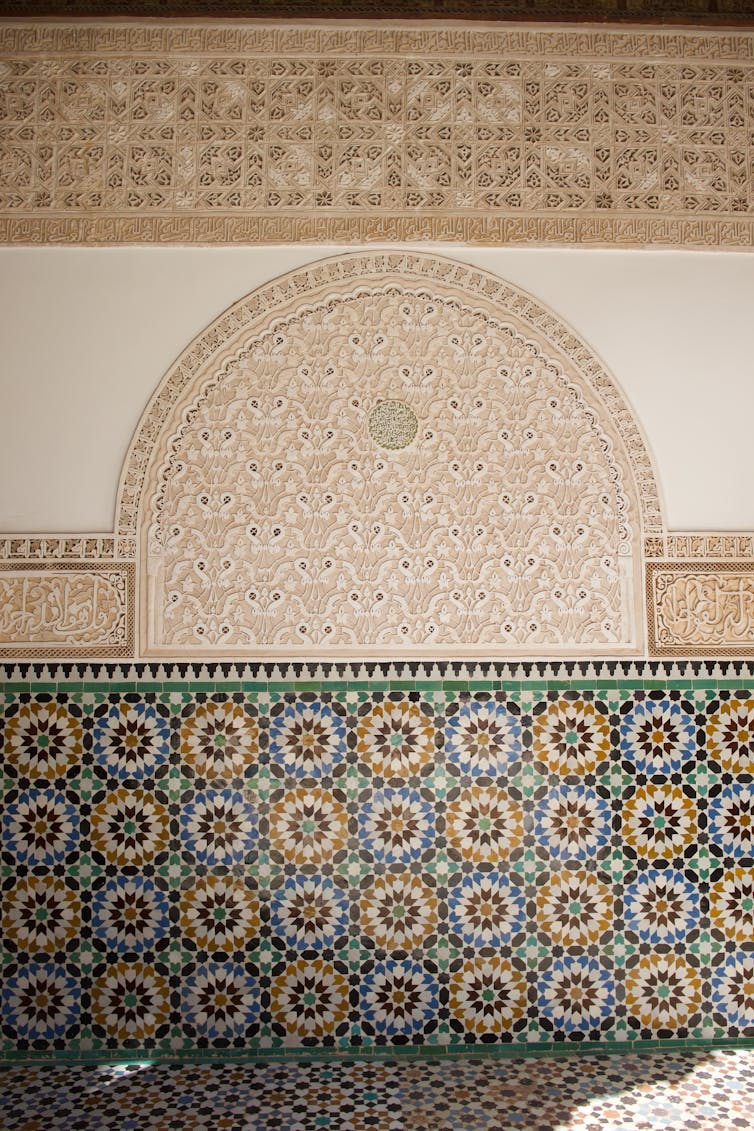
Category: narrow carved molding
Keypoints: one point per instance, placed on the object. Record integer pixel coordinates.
(64, 547)
(705, 545)
(233, 133)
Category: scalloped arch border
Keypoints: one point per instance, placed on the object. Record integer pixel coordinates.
(301, 285)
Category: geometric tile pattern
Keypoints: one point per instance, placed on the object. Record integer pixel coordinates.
(274, 134)
(657, 1091)
(356, 865)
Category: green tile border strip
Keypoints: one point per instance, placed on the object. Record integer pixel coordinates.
(508, 1051)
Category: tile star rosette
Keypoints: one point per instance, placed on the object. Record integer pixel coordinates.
(218, 827)
(396, 826)
(576, 995)
(219, 1002)
(487, 996)
(658, 735)
(309, 913)
(574, 908)
(130, 914)
(41, 915)
(308, 826)
(130, 827)
(398, 912)
(398, 999)
(487, 909)
(42, 740)
(41, 1002)
(310, 1000)
(219, 740)
(659, 822)
(219, 914)
(731, 820)
(40, 826)
(733, 991)
(396, 740)
(571, 736)
(131, 740)
(485, 824)
(572, 824)
(732, 904)
(663, 993)
(483, 738)
(131, 1002)
(661, 906)
(307, 739)
(730, 735)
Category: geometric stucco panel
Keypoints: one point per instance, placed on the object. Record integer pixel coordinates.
(385, 458)
(150, 133)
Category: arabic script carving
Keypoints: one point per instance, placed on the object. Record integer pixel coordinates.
(699, 611)
(78, 610)
(276, 523)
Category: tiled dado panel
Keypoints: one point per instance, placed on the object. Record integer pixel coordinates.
(230, 858)
(148, 133)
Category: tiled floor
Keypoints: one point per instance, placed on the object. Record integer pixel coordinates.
(660, 1091)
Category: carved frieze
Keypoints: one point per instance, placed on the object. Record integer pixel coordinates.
(66, 609)
(147, 133)
(698, 610)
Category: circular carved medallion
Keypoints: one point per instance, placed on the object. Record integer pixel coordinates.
(392, 425)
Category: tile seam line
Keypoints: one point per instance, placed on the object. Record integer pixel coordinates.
(501, 1051)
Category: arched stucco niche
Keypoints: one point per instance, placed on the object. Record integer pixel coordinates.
(389, 454)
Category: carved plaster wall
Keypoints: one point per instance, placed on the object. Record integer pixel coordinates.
(233, 133)
(393, 452)
(387, 454)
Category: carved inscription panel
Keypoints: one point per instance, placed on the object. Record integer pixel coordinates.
(697, 611)
(66, 610)
(392, 470)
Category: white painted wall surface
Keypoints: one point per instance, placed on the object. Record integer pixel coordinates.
(86, 335)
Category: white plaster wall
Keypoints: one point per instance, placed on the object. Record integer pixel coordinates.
(86, 335)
